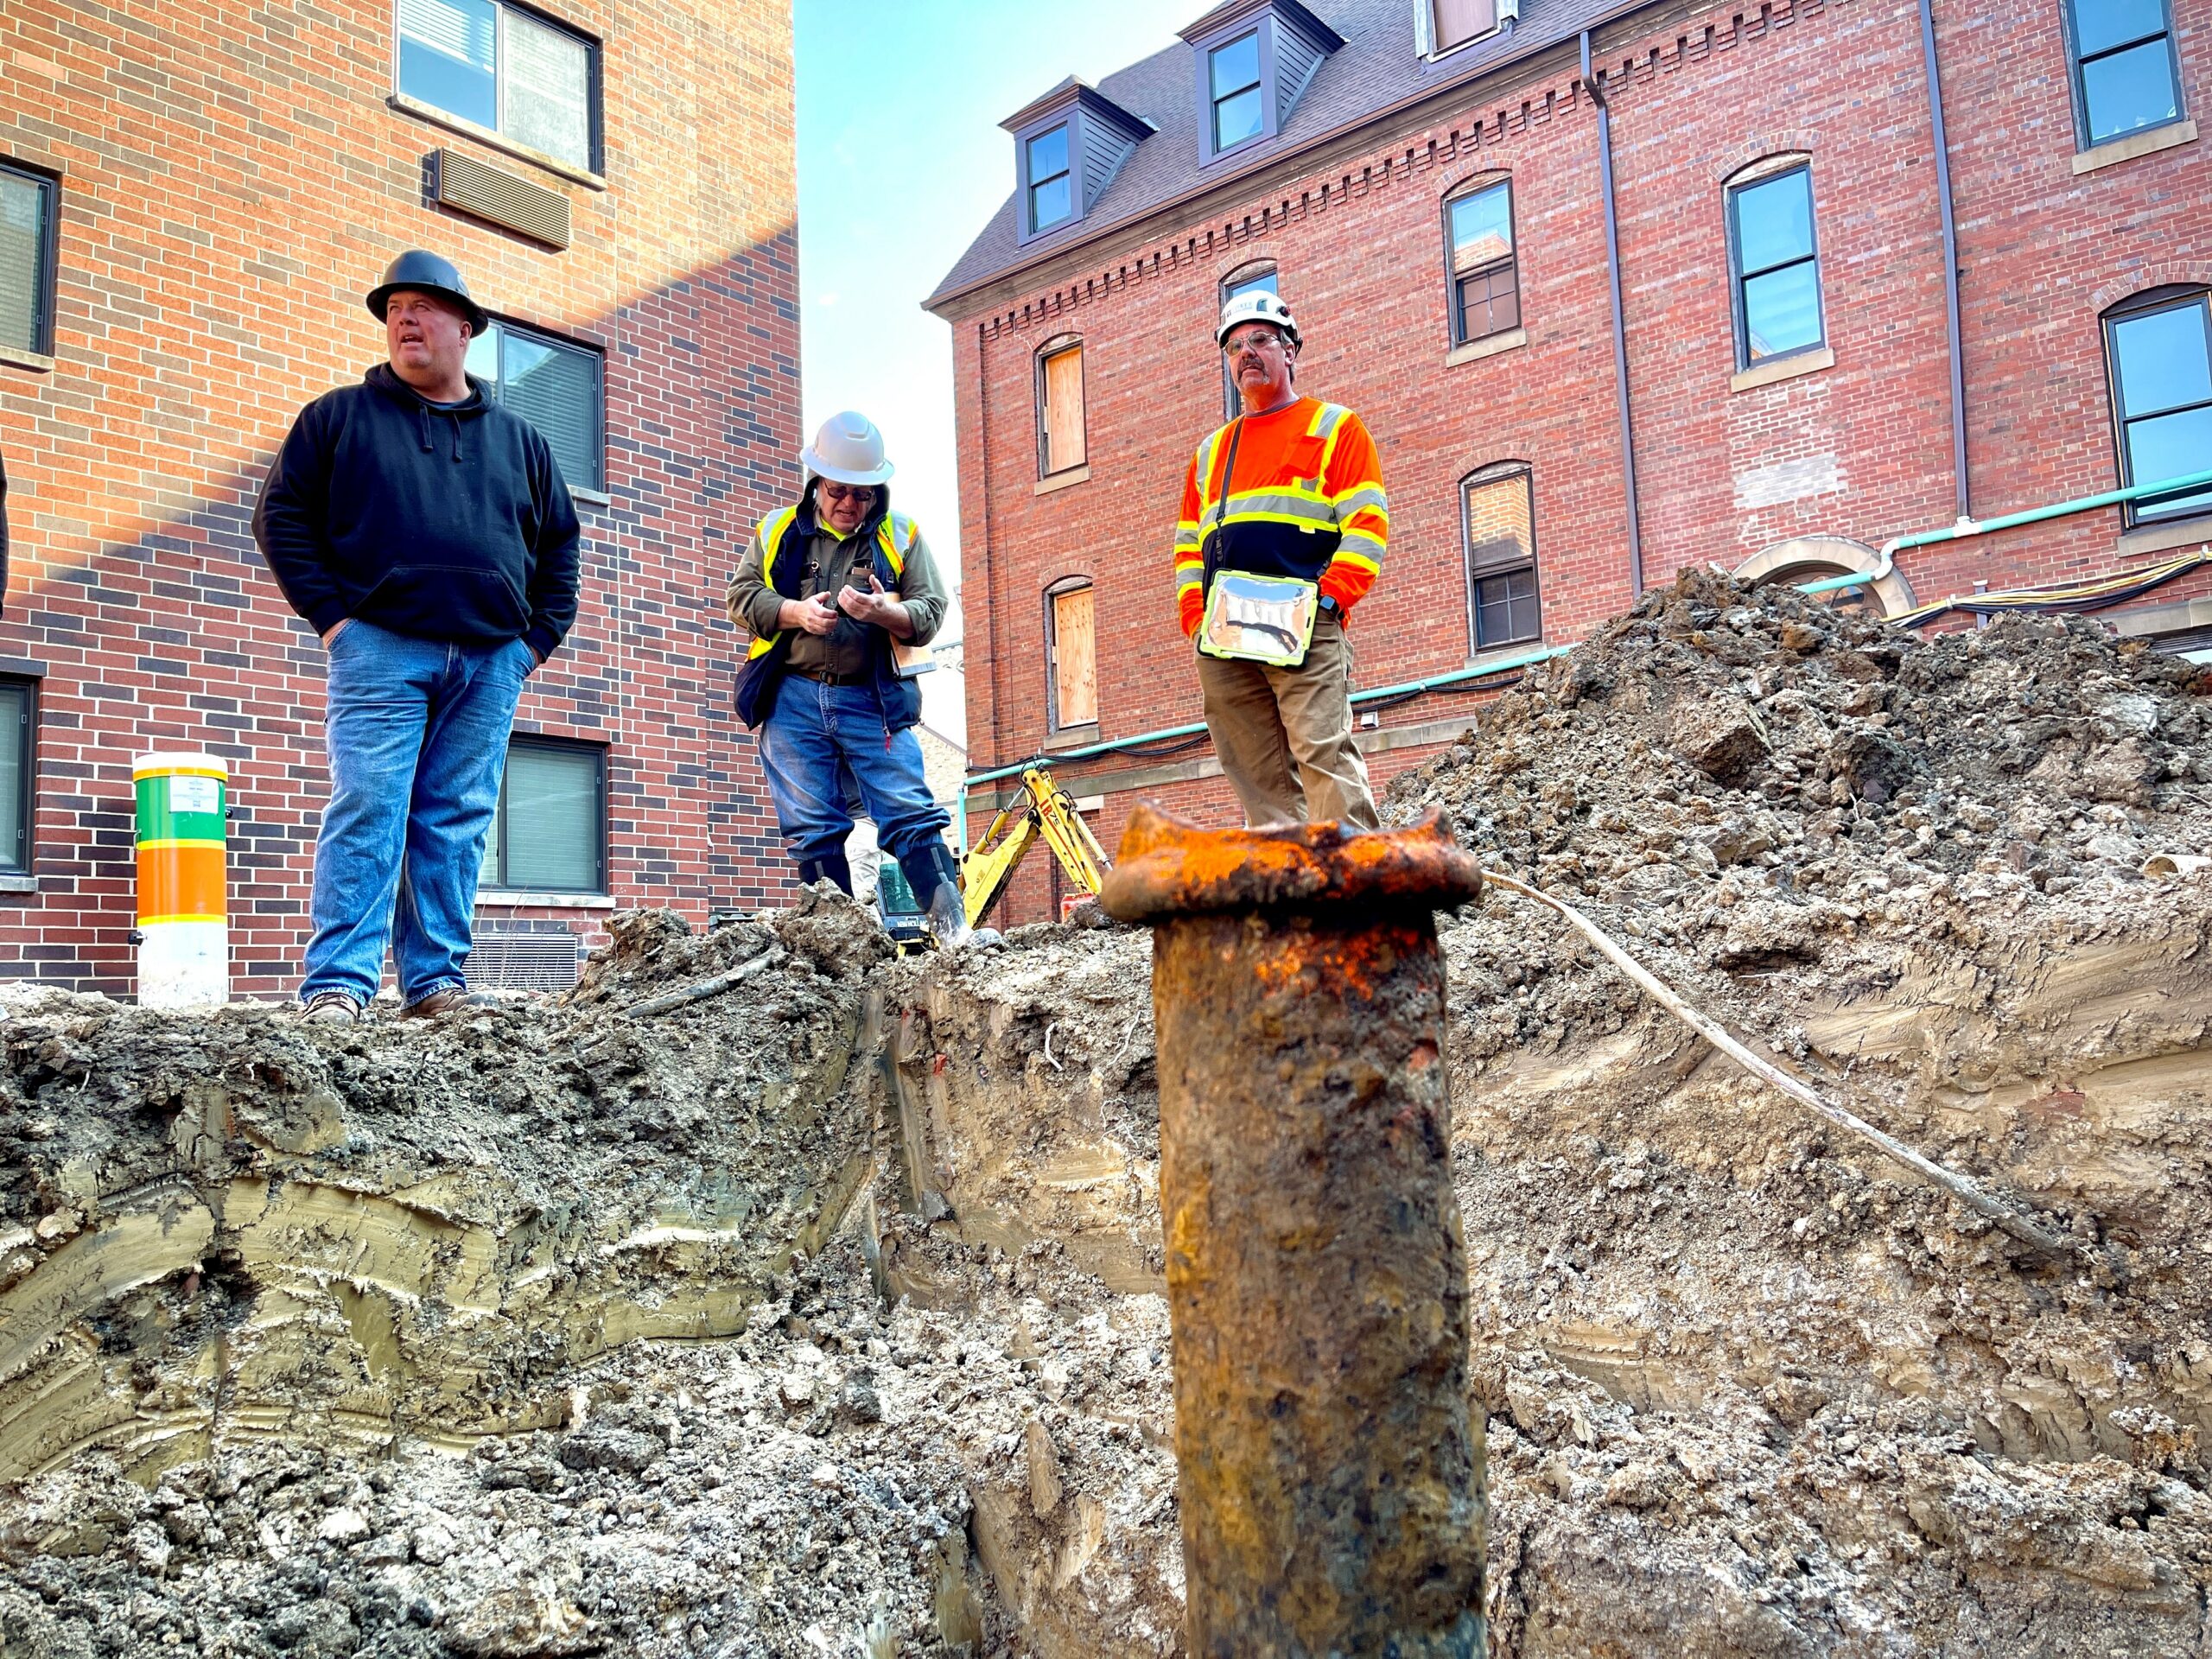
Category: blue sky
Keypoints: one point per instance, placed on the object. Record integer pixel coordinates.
(901, 161)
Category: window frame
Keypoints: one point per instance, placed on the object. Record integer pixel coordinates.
(1029, 182)
(1247, 275)
(1060, 345)
(1467, 190)
(1493, 472)
(1426, 32)
(46, 296)
(1263, 61)
(1054, 592)
(600, 853)
(597, 489)
(26, 795)
(2077, 87)
(594, 82)
(1261, 29)
(2150, 302)
(1765, 172)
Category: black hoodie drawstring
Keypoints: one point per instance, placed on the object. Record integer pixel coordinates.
(422, 410)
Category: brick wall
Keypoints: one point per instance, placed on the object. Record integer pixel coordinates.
(1861, 449)
(233, 181)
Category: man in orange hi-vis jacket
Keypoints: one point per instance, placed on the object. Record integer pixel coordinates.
(1283, 527)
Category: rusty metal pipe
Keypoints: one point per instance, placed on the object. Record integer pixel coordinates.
(1330, 1476)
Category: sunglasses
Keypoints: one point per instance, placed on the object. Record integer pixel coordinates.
(836, 493)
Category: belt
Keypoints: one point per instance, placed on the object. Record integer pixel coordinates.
(830, 676)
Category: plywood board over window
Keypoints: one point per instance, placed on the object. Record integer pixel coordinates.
(1063, 445)
(1075, 660)
(1460, 21)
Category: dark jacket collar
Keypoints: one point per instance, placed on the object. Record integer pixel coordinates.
(810, 525)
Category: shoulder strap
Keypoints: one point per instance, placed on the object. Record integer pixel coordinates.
(1228, 471)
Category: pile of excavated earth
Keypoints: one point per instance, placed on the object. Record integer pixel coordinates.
(821, 1313)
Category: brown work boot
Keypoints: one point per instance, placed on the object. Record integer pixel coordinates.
(331, 1009)
(445, 999)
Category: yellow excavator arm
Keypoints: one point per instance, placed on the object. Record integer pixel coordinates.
(1042, 809)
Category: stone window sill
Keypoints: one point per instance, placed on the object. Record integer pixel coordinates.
(1488, 345)
(506, 899)
(2158, 538)
(1504, 653)
(1073, 737)
(438, 118)
(2136, 144)
(597, 498)
(18, 884)
(36, 362)
(1061, 480)
(1785, 368)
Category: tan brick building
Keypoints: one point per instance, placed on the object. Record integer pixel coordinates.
(1444, 190)
(194, 198)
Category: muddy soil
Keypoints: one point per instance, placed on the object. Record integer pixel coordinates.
(824, 1316)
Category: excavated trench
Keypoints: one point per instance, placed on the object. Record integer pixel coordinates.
(824, 1316)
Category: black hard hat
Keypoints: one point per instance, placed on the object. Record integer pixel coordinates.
(427, 273)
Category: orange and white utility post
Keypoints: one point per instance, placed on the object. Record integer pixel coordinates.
(184, 930)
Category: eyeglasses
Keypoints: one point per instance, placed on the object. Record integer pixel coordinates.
(1252, 343)
(834, 493)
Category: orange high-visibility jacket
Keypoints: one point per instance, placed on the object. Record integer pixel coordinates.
(1307, 502)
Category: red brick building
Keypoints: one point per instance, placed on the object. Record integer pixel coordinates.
(194, 198)
(1618, 289)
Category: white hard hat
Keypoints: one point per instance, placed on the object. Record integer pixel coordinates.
(1256, 306)
(848, 448)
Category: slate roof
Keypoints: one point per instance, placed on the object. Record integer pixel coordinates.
(1376, 68)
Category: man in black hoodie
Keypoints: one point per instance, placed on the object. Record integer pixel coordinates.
(424, 533)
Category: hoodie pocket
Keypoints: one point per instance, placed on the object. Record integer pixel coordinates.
(463, 604)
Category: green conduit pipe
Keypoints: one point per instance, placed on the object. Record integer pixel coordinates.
(1967, 527)
(1959, 531)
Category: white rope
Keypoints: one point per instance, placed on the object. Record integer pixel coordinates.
(2027, 1229)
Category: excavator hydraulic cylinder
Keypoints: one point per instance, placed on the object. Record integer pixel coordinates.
(1330, 1477)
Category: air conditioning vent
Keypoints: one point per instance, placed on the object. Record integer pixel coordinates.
(488, 193)
(501, 960)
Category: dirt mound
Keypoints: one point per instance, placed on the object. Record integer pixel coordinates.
(379, 1325)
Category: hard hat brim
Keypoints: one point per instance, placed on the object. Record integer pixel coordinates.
(818, 467)
(380, 296)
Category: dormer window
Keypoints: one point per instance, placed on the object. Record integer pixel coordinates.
(1069, 145)
(1239, 113)
(1444, 26)
(1255, 57)
(1051, 197)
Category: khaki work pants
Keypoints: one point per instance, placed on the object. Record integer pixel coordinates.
(1284, 735)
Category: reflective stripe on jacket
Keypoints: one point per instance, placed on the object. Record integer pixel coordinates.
(1307, 502)
(764, 662)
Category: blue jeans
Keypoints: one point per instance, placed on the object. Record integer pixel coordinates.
(417, 734)
(819, 739)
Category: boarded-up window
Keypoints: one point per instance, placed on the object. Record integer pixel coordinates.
(1062, 426)
(1460, 21)
(1074, 648)
(1501, 515)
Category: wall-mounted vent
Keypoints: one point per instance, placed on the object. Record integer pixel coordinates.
(468, 186)
(502, 960)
